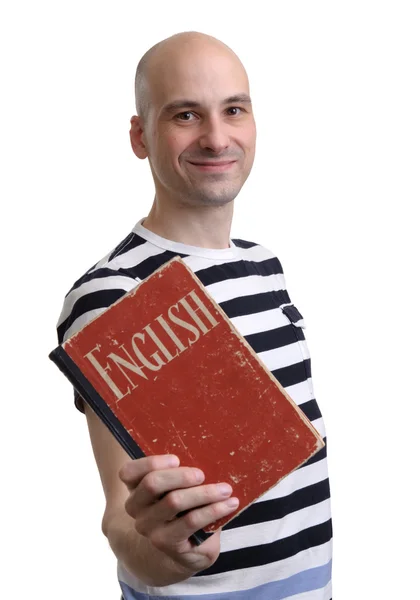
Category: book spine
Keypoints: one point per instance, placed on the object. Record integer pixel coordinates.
(69, 368)
(95, 401)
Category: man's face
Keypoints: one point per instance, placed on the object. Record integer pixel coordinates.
(200, 132)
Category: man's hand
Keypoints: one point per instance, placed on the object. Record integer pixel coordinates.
(159, 490)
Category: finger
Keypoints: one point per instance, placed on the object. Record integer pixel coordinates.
(177, 502)
(174, 536)
(157, 483)
(134, 471)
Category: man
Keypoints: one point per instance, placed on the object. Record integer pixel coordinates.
(196, 127)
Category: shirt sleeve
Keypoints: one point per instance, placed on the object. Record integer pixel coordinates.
(89, 297)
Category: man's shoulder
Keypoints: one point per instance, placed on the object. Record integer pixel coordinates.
(248, 245)
(256, 252)
(245, 244)
(99, 287)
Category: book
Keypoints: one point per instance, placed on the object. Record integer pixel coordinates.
(168, 373)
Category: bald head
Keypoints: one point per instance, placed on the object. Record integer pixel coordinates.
(194, 105)
(169, 54)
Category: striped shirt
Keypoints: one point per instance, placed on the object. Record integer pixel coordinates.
(281, 546)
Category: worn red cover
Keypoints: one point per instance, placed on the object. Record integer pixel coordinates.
(177, 377)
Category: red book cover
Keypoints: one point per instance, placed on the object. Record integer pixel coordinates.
(168, 372)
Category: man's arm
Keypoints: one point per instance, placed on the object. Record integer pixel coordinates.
(143, 498)
(135, 551)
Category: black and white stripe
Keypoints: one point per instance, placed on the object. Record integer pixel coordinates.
(285, 537)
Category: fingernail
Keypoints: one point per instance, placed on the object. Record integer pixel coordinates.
(173, 461)
(232, 502)
(224, 488)
(199, 475)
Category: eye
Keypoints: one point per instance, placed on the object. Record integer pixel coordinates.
(235, 108)
(181, 116)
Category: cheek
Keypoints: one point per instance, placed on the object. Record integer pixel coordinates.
(178, 144)
(173, 144)
(252, 135)
(247, 138)
(251, 148)
(171, 147)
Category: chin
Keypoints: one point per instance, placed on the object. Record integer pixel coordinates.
(212, 199)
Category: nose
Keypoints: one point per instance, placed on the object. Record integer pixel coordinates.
(214, 136)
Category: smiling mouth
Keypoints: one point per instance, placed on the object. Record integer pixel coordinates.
(214, 165)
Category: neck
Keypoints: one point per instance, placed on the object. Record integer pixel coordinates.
(204, 226)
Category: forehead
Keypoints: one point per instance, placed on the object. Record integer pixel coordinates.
(205, 74)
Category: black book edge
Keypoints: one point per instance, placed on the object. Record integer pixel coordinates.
(83, 386)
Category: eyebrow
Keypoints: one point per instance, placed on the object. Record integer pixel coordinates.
(185, 103)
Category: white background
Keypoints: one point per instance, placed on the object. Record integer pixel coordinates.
(334, 192)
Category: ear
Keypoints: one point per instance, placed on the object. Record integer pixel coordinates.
(137, 137)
